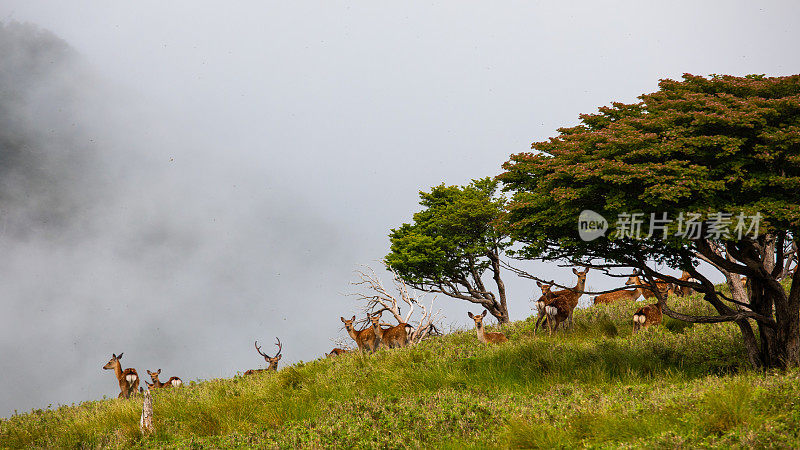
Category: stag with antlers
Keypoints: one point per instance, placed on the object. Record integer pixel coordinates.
(271, 360)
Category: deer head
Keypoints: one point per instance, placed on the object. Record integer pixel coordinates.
(581, 275)
(348, 323)
(545, 287)
(478, 318)
(271, 360)
(154, 376)
(113, 362)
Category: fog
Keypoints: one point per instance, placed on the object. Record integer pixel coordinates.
(178, 180)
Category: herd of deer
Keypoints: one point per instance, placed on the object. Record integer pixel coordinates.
(553, 307)
(129, 379)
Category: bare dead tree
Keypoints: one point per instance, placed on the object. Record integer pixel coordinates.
(146, 420)
(376, 298)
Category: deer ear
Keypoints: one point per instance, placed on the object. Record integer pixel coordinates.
(470, 315)
(119, 356)
(539, 284)
(279, 357)
(113, 356)
(342, 319)
(484, 313)
(574, 271)
(354, 317)
(158, 371)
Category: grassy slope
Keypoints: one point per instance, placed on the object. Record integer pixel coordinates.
(594, 386)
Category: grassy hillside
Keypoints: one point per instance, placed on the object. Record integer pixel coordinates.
(672, 386)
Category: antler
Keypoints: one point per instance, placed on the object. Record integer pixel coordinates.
(258, 349)
(280, 346)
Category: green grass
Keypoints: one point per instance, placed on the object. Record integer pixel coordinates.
(597, 386)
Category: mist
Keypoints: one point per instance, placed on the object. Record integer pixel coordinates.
(177, 181)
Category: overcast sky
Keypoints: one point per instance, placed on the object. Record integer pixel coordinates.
(238, 160)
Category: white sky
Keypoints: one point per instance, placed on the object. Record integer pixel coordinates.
(300, 134)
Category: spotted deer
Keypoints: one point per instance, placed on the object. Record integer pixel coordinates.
(646, 316)
(484, 336)
(271, 360)
(172, 382)
(336, 352)
(128, 379)
(397, 336)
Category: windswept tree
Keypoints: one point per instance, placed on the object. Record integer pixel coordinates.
(704, 169)
(452, 242)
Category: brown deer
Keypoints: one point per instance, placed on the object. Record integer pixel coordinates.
(571, 296)
(684, 291)
(366, 339)
(272, 360)
(546, 298)
(557, 311)
(172, 382)
(128, 379)
(484, 336)
(647, 292)
(336, 352)
(397, 336)
(646, 316)
(611, 297)
(627, 294)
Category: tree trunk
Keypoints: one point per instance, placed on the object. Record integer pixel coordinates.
(146, 421)
(503, 318)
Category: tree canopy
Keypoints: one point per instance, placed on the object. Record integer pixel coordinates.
(452, 242)
(722, 150)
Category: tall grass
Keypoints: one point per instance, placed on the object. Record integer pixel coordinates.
(594, 385)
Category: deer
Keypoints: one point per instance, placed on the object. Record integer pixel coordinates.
(484, 336)
(128, 379)
(646, 316)
(571, 296)
(647, 292)
(611, 297)
(546, 298)
(397, 336)
(558, 311)
(336, 352)
(366, 339)
(172, 382)
(272, 360)
(683, 291)
(627, 294)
